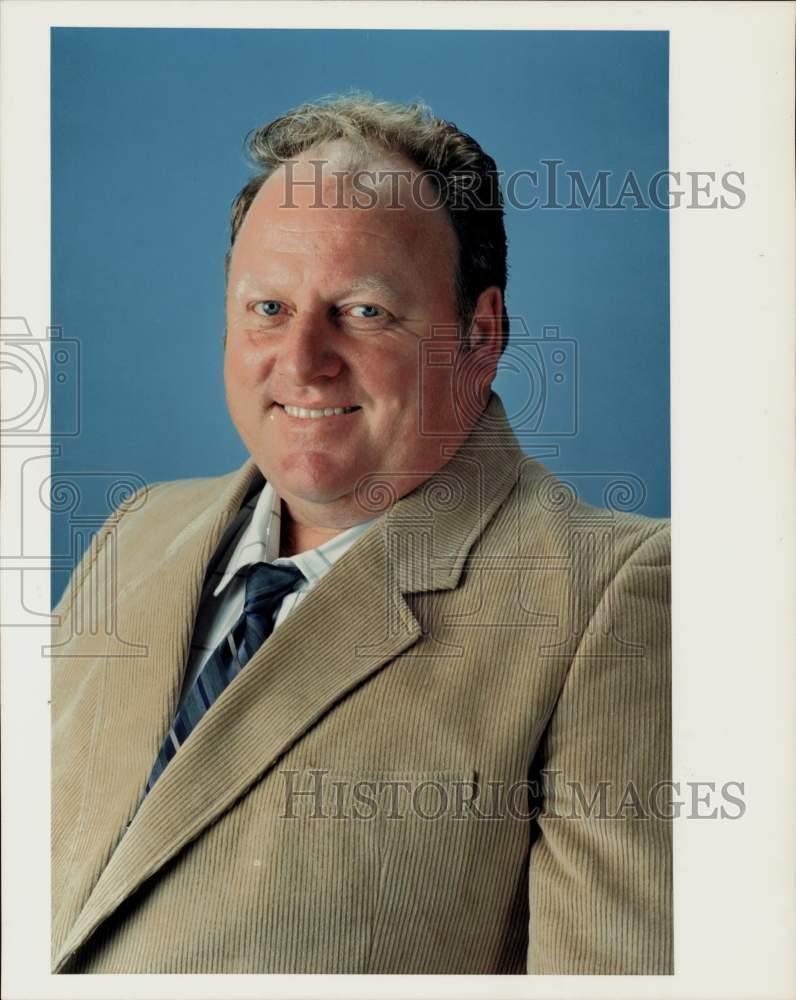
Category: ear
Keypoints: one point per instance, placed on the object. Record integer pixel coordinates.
(486, 330)
(485, 340)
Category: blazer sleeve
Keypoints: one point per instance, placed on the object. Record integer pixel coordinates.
(600, 879)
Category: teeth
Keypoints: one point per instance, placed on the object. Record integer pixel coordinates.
(328, 411)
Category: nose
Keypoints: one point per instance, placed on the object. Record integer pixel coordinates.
(307, 352)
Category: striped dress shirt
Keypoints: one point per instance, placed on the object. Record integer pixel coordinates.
(253, 537)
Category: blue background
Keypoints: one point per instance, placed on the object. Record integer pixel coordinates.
(147, 155)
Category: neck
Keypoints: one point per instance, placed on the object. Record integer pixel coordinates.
(298, 536)
(306, 525)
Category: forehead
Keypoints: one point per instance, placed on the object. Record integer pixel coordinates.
(332, 197)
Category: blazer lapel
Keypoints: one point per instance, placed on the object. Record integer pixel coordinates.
(153, 616)
(325, 648)
(354, 622)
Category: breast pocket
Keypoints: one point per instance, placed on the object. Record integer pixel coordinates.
(389, 858)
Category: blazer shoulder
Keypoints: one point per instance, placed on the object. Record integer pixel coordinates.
(550, 510)
(181, 500)
(149, 519)
(545, 520)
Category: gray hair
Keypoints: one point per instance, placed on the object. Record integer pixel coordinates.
(465, 177)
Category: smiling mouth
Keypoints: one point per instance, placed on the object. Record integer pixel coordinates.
(305, 413)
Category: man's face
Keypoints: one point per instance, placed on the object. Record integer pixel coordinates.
(326, 310)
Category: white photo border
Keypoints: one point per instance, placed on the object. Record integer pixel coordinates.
(733, 475)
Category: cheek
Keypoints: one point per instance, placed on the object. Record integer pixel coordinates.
(233, 369)
(436, 385)
(240, 387)
(242, 365)
(232, 381)
(390, 378)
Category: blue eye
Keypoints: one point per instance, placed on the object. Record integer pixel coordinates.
(268, 308)
(365, 316)
(366, 311)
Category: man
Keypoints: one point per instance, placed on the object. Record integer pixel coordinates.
(388, 699)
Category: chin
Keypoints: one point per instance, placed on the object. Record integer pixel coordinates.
(312, 478)
(314, 492)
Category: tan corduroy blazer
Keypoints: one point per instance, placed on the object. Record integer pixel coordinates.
(366, 796)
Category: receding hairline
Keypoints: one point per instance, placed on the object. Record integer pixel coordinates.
(348, 159)
(449, 157)
(378, 159)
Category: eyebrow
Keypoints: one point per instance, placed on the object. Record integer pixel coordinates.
(374, 285)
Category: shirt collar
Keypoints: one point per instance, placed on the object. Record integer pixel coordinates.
(259, 542)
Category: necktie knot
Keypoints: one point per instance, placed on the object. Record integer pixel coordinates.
(267, 584)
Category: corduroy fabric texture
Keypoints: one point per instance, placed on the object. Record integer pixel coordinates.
(449, 759)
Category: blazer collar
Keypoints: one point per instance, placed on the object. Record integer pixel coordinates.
(430, 532)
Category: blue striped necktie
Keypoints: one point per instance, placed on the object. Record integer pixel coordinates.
(266, 586)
